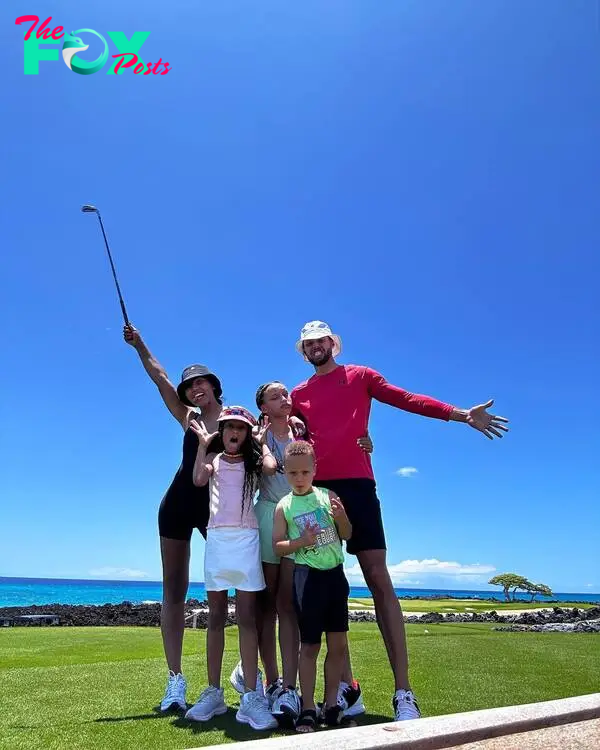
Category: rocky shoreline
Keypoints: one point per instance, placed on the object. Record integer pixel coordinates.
(555, 619)
(543, 620)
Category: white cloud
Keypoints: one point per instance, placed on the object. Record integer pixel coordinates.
(406, 472)
(405, 572)
(590, 585)
(118, 573)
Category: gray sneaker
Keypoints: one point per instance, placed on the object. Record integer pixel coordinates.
(174, 693)
(210, 703)
(237, 680)
(405, 706)
(254, 710)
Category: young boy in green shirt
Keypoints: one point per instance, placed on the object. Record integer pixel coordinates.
(310, 522)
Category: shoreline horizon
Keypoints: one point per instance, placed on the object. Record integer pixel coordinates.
(149, 582)
(96, 592)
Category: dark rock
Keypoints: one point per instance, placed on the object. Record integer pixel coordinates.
(587, 626)
(362, 617)
(593, 613)
(432, 617)
(528, 618)
(584, 626)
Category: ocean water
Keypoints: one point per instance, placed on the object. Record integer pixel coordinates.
(22, 592)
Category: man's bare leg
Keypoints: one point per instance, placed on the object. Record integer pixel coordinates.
(388, 611)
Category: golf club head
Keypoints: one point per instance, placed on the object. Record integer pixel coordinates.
(88, 209)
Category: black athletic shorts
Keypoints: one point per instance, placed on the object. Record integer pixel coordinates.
(359, 498)
(183, 509)
(321, 601)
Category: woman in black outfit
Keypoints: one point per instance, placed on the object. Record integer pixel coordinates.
(184, 506)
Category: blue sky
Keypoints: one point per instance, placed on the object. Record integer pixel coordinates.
(423, 176)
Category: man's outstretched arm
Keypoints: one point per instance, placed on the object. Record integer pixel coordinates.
(476, 417)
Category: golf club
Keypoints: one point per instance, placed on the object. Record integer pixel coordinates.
(87, 209)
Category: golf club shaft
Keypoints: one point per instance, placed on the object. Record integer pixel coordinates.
(114, 273)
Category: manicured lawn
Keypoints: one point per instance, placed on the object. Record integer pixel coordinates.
(456, 606)
(96, 688)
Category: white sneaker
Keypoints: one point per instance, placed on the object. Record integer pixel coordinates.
(210, 703)
(175, 692)
(350, 699)
(237, 680)
(286, 707)
(254, 710)
(405, 706)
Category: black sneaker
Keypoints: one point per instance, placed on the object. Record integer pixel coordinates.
(286, 707)
(273, 691)
(350, 699)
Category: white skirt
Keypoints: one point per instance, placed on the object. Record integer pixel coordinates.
(232, 560)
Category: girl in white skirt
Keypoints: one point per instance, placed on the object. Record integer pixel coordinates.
(232, 558)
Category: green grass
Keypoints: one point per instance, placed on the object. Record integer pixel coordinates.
(96, 688)
(462, 606)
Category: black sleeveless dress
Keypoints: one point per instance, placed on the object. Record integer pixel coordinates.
(185, 506)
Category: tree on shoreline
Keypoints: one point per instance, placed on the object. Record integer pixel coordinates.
(510, 581)
(514, 581)
(538, 588)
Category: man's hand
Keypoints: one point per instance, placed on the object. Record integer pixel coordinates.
(478, 418)
(298, 427)
(131, 335)
(309, 535)
(204, 436)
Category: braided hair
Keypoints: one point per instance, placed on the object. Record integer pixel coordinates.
(253, 461)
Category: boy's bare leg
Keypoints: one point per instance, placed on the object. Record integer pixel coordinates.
(308, 674)
(337, 650)
(347, 676)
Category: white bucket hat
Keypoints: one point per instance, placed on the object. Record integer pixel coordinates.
(316, 329)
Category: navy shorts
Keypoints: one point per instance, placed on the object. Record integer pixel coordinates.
(321, 602)
(362, 506)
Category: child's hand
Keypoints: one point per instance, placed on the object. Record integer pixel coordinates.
(366, 443)
(337, 509)
(261, 432)
(204, 436)
(309, 535)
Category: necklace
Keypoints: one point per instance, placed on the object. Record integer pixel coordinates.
(233, 455)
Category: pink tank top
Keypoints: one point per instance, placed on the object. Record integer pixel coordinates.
(226, 487)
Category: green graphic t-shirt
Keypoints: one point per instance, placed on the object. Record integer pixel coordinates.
(313, 509)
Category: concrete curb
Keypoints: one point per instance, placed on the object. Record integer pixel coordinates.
(452, 730)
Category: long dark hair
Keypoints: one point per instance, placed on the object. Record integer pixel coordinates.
(253, 460)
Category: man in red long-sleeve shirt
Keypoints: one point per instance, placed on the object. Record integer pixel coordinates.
(335, 404)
